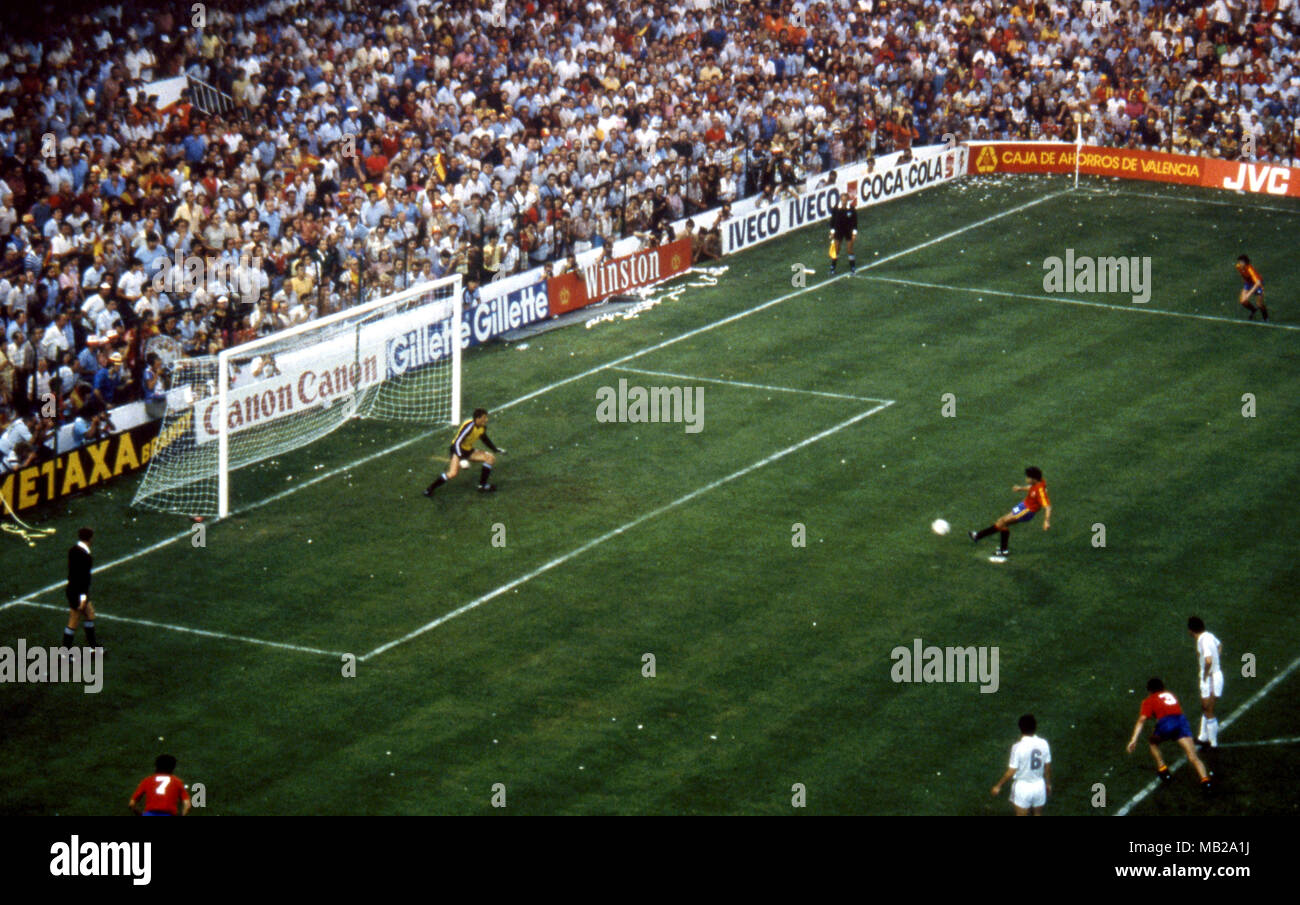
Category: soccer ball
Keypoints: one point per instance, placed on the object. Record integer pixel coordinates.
(464, 463)
(939, 526)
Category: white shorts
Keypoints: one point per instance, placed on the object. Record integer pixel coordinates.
(1029, 793)
(1213, 685)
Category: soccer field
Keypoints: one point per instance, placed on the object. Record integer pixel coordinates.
(501, 639)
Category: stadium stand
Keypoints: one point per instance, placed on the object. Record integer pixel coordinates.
(324, 154)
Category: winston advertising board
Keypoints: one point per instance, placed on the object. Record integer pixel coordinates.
(614, 276)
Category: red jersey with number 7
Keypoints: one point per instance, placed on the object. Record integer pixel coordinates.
(162, 792)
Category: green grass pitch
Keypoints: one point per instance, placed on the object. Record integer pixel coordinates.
(772, 660)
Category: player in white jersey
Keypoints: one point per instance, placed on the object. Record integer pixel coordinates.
(1031, 770)
(1208, 651)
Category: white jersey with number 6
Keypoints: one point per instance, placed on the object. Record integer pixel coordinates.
(1029, 758)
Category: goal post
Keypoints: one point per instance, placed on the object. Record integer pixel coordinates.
(396, 358)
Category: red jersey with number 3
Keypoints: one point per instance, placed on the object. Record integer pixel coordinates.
(1160, 705)
(162, 792)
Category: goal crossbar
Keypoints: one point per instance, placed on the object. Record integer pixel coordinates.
(395, 358)
(320, 326)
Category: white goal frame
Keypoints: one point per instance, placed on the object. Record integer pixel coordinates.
(357, 313)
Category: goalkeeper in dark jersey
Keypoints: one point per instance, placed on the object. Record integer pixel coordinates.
(844, 229)
(463, 453)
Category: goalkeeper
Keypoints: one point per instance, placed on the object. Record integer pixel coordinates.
(844, 229)
(463, 453)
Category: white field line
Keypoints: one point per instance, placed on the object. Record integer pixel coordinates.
(749, 386)
(768, 304)
(1236, 715)
(343, 469)
(143, 551)
(16, 603)
(191, 631)
(1060, 300)
(1268, 741)
(1245, 201)
(957, 232)
(622, 529)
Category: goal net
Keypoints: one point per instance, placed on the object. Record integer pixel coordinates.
(396, 358)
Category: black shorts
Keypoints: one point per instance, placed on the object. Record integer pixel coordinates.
(843, 237)
(74, 598)
(459, 455)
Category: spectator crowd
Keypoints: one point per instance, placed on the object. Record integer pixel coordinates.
(327, 153)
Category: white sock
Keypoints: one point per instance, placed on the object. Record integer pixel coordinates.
(1200, 735)
(1212, 725)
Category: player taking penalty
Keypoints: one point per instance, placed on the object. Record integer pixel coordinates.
(1171, 726)
(1252, 285)
(1035, 499)
(463, 453)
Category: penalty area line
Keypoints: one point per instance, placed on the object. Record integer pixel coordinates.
(957, 232)
(143, 551)
(1236, 715)
(420, 438)
(1243, 202)
(190, 631)
(1295, 739)
(1135, 308)
(749, 386)
(763, 306)
(621, 529)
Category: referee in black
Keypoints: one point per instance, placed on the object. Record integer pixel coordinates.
(78, 590)
(844, 229)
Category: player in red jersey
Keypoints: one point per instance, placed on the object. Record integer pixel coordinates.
(163, 792)
(1035, 499)
(1171, 726)
(1252, 284)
